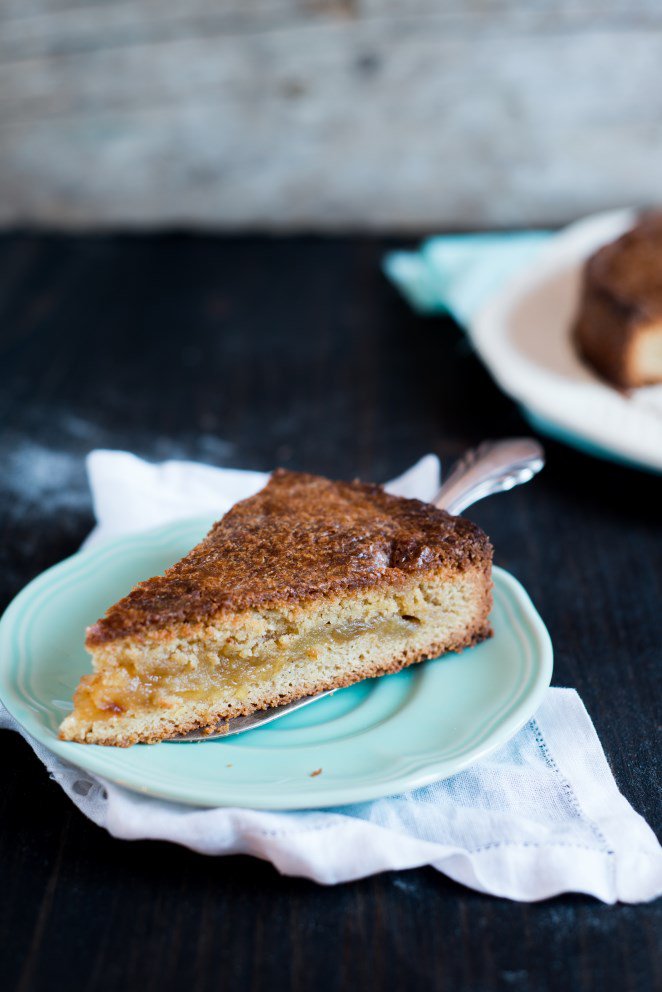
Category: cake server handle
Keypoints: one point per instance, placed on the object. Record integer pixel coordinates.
(492, 467)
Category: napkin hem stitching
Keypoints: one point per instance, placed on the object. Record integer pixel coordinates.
(567, 788)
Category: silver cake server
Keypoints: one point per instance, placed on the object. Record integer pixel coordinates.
(492, 467)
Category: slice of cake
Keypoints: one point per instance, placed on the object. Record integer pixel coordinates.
(619, 325)
(309, 585)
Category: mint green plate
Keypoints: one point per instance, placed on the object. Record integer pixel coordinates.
(373, 739)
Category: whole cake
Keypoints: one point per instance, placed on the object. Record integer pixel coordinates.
(308, 585)
(618, 330)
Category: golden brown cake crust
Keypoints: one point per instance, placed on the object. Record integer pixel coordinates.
(621, 295)
(299, 538)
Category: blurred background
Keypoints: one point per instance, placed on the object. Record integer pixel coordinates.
(196, 201)
(326, 115)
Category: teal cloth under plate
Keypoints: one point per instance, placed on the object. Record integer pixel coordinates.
(457, 273)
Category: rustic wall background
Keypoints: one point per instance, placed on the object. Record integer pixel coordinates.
(282, 114)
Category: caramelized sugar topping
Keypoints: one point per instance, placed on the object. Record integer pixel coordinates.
(299, 538)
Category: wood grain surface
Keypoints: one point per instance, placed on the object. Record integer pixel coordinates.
(327, 114)
(258, 352)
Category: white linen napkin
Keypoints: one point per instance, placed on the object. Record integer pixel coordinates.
(539, 817)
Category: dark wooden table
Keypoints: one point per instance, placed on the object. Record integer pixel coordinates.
(256, 353)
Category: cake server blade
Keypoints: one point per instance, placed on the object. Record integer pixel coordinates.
(239, 724)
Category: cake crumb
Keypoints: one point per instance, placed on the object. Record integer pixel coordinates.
(318, 771)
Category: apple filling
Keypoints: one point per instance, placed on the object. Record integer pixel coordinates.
(230, 670)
